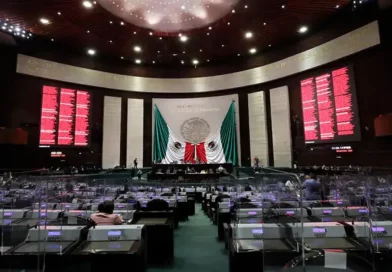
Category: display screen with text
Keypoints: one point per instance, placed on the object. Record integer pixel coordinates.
(65, 115)
(329, 107)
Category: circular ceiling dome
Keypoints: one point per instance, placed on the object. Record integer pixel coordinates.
(169, 15)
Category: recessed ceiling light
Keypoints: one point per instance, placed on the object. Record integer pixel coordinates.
(137, 48)
(210, 28)
(208, 60)
(91, 52)
(248, 35)
(52, 40)
(208, 34)
(138, 61)
(183, 52)
(223, 45)
(88, 31)
(159, 52)
(252, 50)
(201, 50)
(153, 62)
(228, 23)
(111, 41)
(238, 54)
(160, 38)
(269, 45)
(122, 57)
(183, 38)
(59, 13)
(195, 62)
(134, 33)
(337, 6)
(150, 33)
(122, 23)
(87, 4)
(246, 6)
(111, 22)
(264, 23)
(233, 11)
(283, 6)
(182, 7)
(44, 21)
(182, 62)
(303, 29)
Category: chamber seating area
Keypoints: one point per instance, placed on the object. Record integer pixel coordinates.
(260, 223)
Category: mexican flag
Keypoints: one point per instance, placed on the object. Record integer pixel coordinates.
(221, 147)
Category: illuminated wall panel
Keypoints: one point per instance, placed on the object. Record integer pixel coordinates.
(258, 127)
(281, 126)
(135, 132)
(111, 132)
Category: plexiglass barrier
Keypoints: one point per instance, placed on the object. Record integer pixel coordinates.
(271, 221)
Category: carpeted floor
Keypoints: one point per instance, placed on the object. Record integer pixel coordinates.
(196, 248)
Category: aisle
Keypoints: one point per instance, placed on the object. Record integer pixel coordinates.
(196, 248)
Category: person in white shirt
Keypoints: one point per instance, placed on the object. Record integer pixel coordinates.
(220, 169)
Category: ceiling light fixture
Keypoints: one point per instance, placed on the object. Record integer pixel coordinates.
(210, 28)
(91, 52)
(253, 50)
(122, 23)
(183, 38)
(182, 62)
(264, 23)
(150, 33)
(88, 31)
(337, 6)
(233, 11)
(87, 4)
(44, 21)
(153, 62)
(248, 35)
(238, 55)
(138, 61)
(122, 57)
(246, 6)
(283, 6)
(137, 48)
(303, 29)
(59, 13)
(228, 23)
(195, 62)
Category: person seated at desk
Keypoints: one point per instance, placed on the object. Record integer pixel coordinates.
(220, 169)
(139, 174)
(312, 188)
(203, 172)
(105, 215)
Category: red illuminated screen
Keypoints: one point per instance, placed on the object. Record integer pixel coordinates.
(65, 117)
(329, 107)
